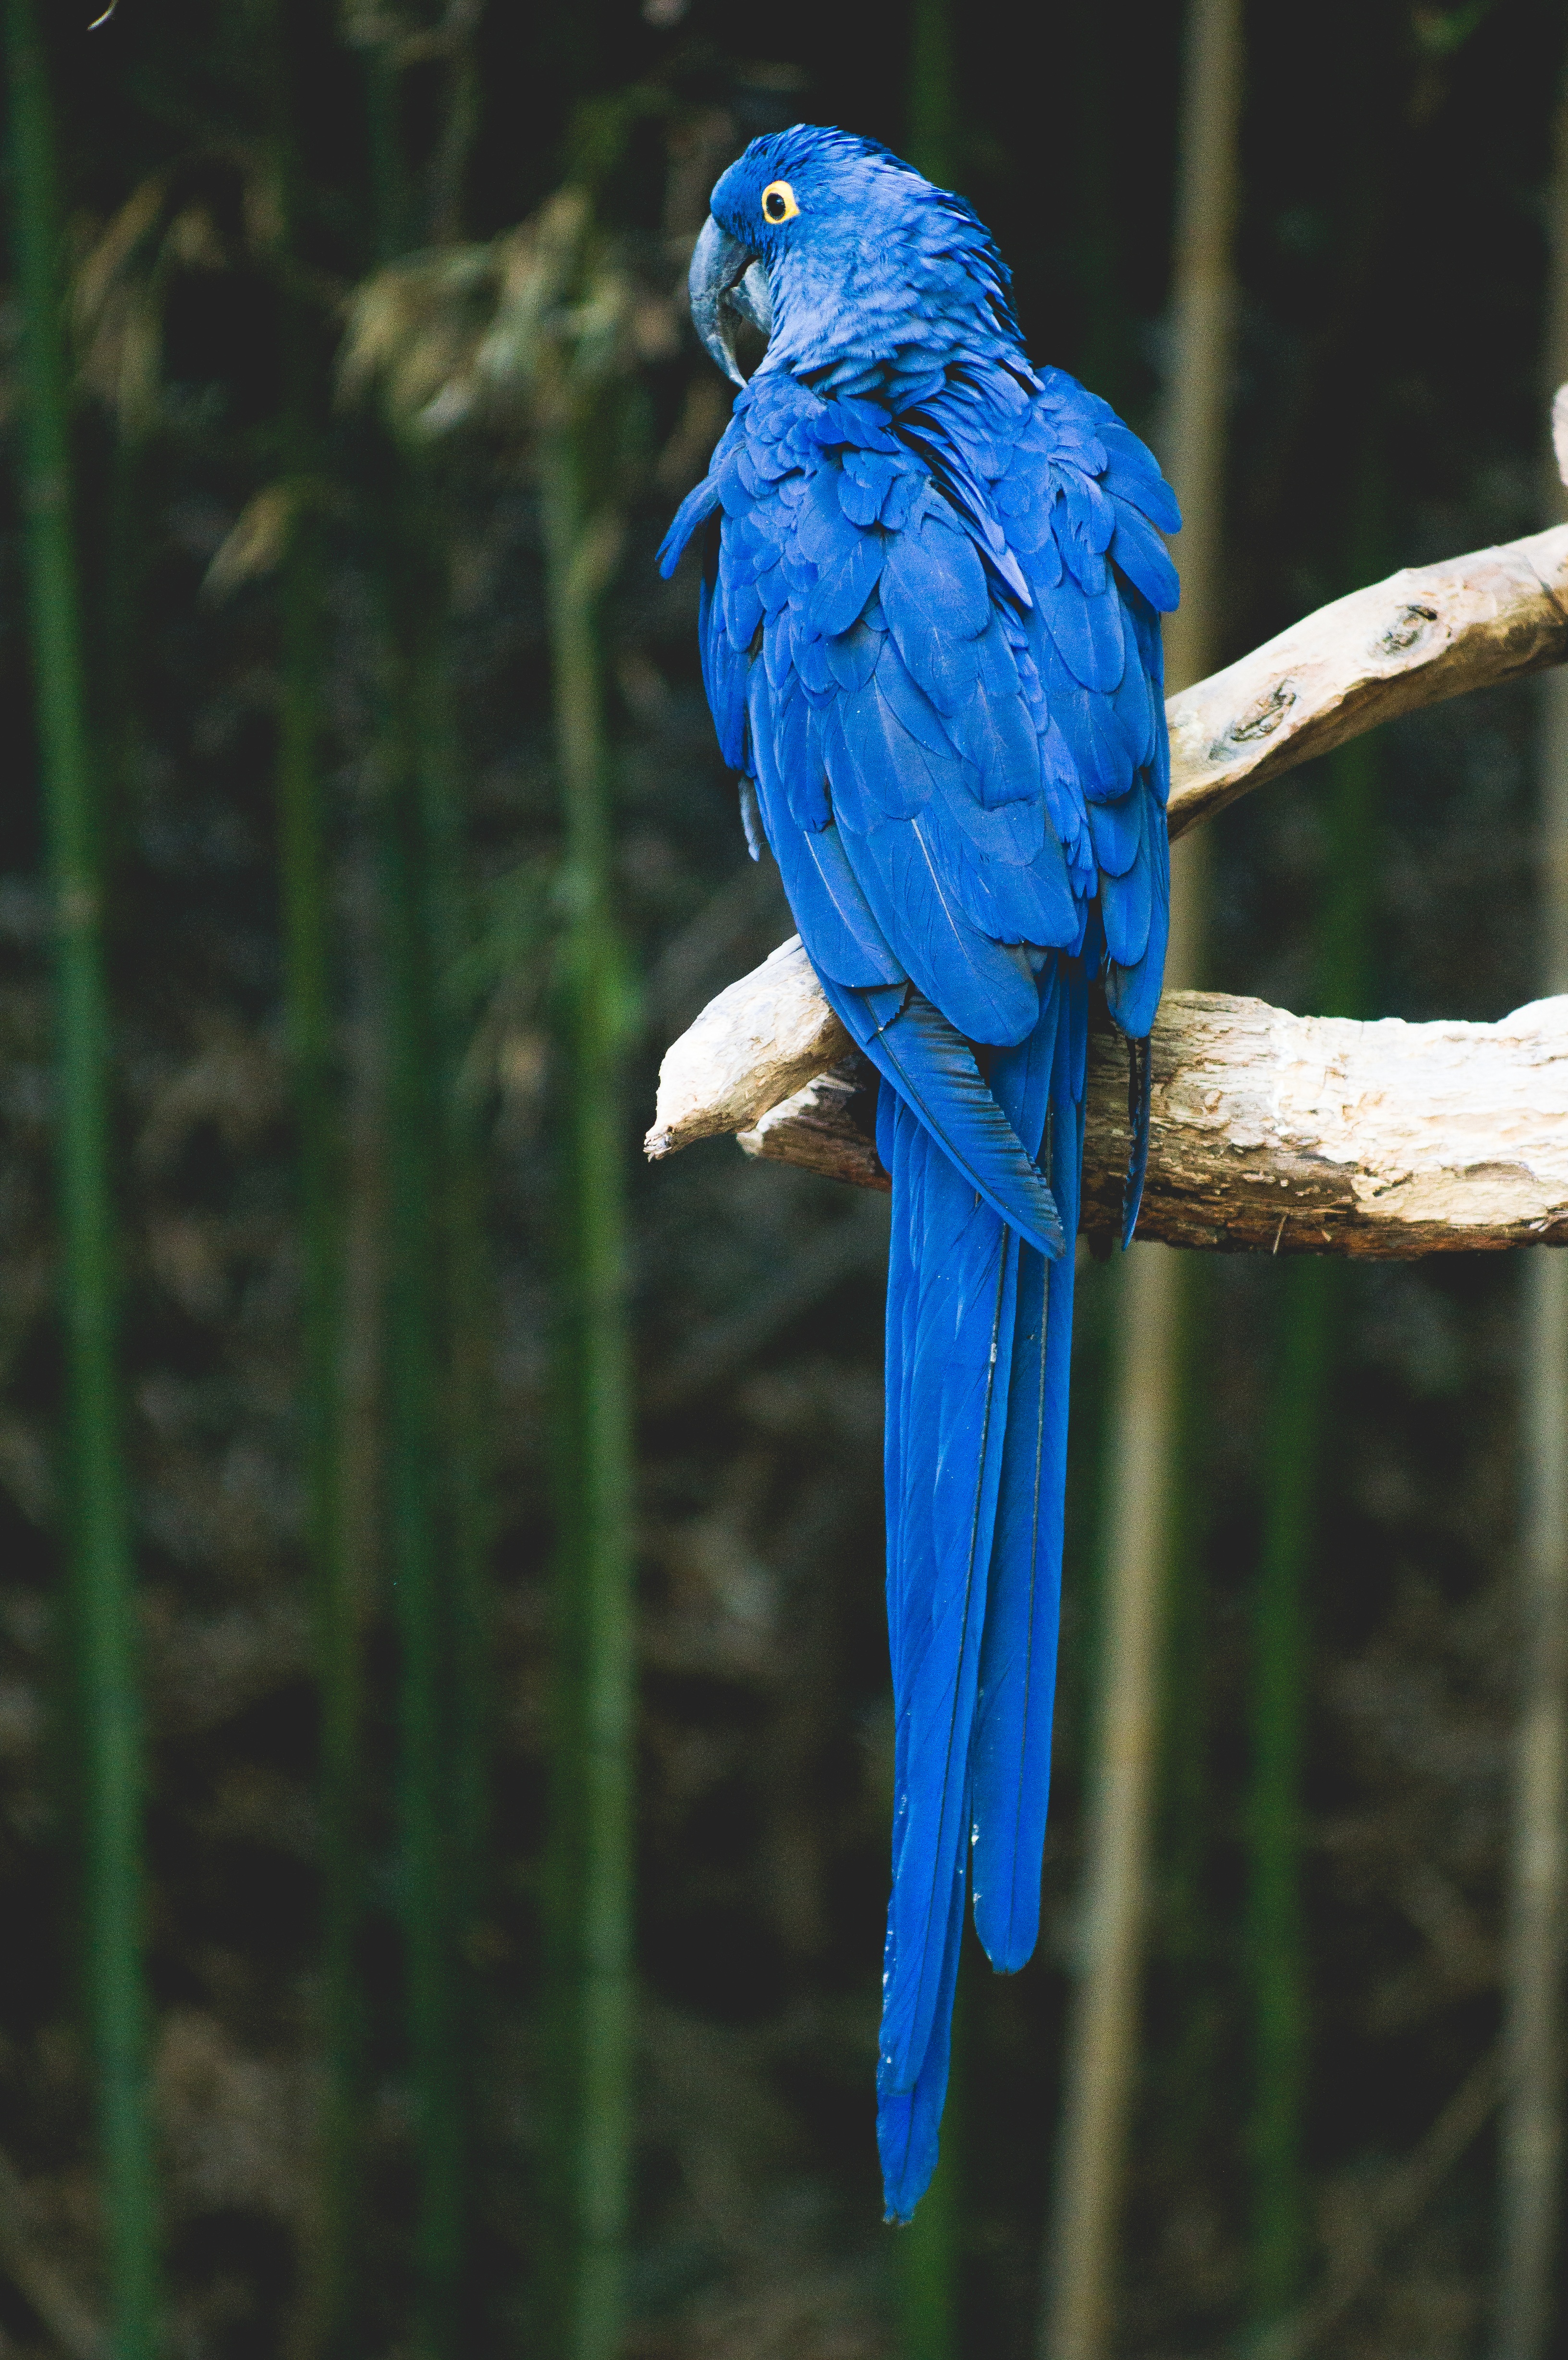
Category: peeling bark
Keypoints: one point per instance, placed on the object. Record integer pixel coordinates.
(1314, 1134)
(1292, 1134)
(764, 1038)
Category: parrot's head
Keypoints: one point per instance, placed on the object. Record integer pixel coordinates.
(839, 252)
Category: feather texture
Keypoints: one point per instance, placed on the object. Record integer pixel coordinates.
(932, 575)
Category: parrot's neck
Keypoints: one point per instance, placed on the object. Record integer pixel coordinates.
(896, 309)
(924, 373)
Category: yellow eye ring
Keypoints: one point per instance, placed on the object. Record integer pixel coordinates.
(778, 203)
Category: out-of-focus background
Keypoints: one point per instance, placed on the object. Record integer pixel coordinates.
(443, 1704)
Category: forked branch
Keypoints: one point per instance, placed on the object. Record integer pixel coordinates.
(1423, 634)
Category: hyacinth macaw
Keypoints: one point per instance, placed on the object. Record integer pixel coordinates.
(929, 621)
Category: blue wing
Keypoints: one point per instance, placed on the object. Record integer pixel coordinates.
(930, 641)
(940, 648)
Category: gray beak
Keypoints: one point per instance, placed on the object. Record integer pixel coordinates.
(726, 283)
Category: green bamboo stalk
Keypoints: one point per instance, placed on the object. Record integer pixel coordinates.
(307, 920)
(1530, 2134)
(305, 888)
(930, 97)
(1311, 1312)
(417, 1432)
(1186, 2096)
(930, 2290)
(1311, 1300)
(462, 1327)
(102, 1581)
(1144, 1493)
(435, 1331)
(930, 2250)
(1104, 354)
(416, 1400)
(590, 1868)
(1280, 1660)
(1310, 1315)
(420, 1435)
(467, 1346)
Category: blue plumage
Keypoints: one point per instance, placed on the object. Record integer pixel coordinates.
(930, 638)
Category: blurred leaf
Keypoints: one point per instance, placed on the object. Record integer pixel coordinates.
(115, 309)
(486, 333)
(121, 284)
(261, 534)
(256, 542)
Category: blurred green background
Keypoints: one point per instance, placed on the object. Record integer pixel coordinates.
(444, 1728)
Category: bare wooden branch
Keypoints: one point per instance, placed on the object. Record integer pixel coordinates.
(828, 1127)
(765, 1037)
(1423, 634)
(1295, 1134)
(1314, 1135)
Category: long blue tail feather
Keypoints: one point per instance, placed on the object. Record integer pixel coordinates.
(979, 1334)
(1017, 1664)
(953, 1277)
(909, 2120)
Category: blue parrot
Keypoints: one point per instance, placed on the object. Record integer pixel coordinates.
(932, 581)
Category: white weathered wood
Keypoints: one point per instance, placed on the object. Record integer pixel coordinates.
(1314, 1134)
(1423, 634)
(751, 1047)
(1290, 1133)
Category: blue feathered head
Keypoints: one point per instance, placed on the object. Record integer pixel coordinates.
(841, 253)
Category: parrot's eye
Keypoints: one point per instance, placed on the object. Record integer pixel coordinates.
(779, 202)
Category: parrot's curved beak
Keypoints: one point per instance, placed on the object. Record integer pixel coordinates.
(726, 283)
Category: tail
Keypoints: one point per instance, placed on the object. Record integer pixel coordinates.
(979, 1334)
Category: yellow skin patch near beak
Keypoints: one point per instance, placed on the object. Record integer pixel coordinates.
(778, 203)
